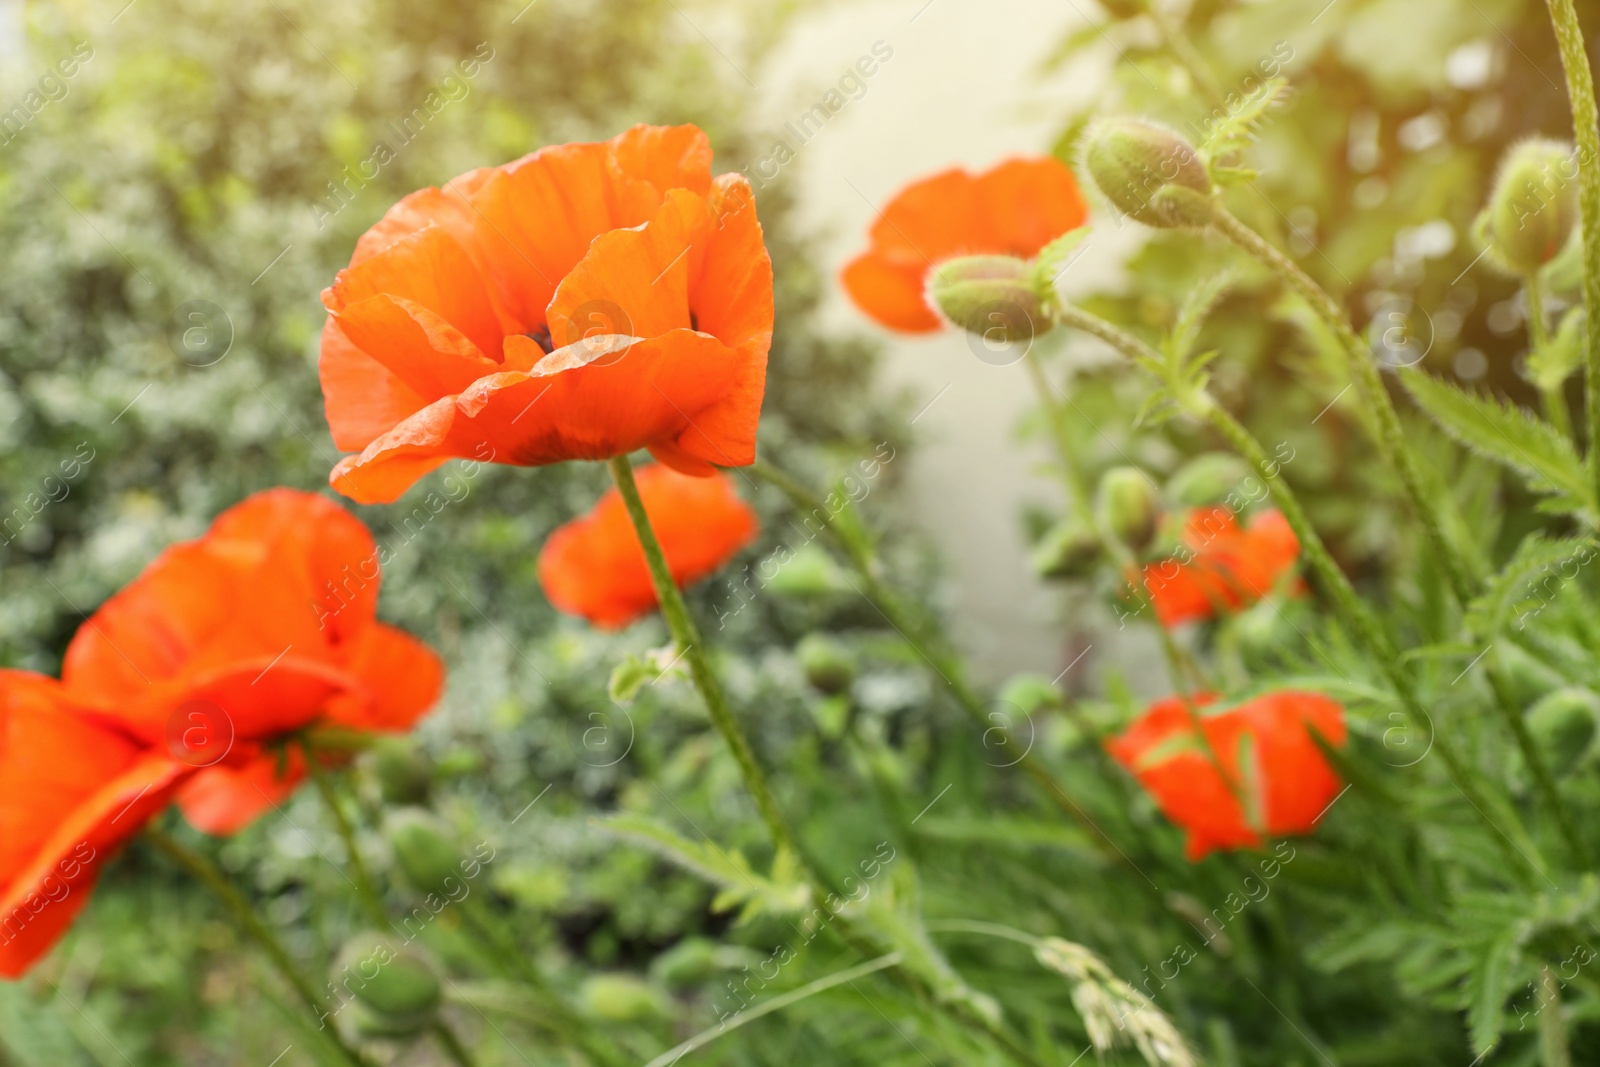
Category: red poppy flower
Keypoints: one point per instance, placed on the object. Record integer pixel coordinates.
(582, 302)
(1227, 568)
(594, 566)
(1014, 209)
(261, 627)
(71, 791)
(1278, 782)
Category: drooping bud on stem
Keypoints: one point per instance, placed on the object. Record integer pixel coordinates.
(998, 297)
(1149, 173)
(1127, 507)
(1533, 208)
(394, 986)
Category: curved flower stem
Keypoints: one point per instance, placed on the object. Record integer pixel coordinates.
(1391, 443)
(366, 888)
(1580, 90)
(207, 873)
(1357, 616)
(452, 1044)
(1553, 393)
(687, 635)
(1391, 436)
(942, 660)
(688, 638)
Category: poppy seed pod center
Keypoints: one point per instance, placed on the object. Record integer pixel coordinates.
(996, 296)
(1150, 173)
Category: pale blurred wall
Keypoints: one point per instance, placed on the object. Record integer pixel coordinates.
(962, 88)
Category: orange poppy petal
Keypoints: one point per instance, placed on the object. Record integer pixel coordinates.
(637, 277)
(361, 397)
(573, 404)
(891, 293)
(595, 567)
(449, 208)
(430, 268)
(428, 355)
(400, 680)
(223, 800)
(1024, 204)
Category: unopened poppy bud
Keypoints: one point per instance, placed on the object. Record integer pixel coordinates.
(393, 988)
(1207, 479)
(1533, 208)
(1070, 549)
(1127, 507)
(691, 962)
(828, 665)
(1150, 174)
(423, 850)
(404, 774)
(620, 998)
(997, 297)
(1563, 724)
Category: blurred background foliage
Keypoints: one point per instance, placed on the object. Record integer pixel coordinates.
(186, 169)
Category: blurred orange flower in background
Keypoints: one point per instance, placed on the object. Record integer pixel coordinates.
(1227, 567)
(263, 626)
(72, 789)
(1014, 209)
(582, 302)
(1278, 782)
(594, 565)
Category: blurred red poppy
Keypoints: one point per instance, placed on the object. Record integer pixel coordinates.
(1227, 568)
(1278, 782)
(1013, 209)
(263, 626)
(582, 302)
(594, 566)
(72, 789)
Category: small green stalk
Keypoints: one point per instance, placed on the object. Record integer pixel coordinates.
(366, 888)
(452, 1045)
(213, 879)
(1580, 90)
(1553, 393)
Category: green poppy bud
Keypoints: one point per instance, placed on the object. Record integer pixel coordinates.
(1533, 208)
(1563, 724)
(404, 773)
(828, 664)
(997, 297)
(423, 850)
(1128, 506)
(691, 962)
(390, 989)
(1206, 479)
(1149, 173)
(1070, 549)
(620, 998)
(809, 572)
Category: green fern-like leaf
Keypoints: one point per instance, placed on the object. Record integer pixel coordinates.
(783, 893)
(1516, 590)
(1508, 435)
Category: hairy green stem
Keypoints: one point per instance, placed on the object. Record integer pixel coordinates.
(1580, 90)
(1391, 443)
(694, 650)
(213, 879)
(1368, 629)
(1391, 435)
(453, 1045)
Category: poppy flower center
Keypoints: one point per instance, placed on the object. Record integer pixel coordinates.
(541, 337)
